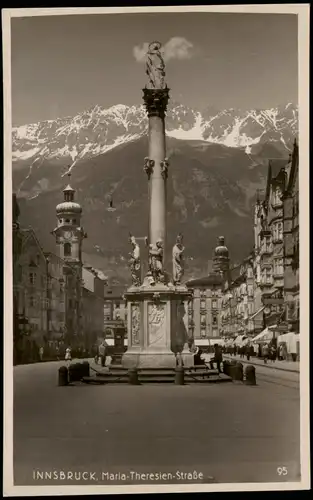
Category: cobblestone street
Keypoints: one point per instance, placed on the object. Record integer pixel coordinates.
(230, 432)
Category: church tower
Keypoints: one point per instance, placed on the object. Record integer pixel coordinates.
(69, 233)
(221, 258)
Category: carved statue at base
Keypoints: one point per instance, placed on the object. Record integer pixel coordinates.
(178, 260)
(134, 262)
(155, 261)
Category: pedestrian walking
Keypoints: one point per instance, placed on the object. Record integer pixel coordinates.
(281, 352)
(248, 352)
(103, 350)
(252, 353)
(265, 353)
(68, 355)
(273, 353)
(218, 358)
(41, 351)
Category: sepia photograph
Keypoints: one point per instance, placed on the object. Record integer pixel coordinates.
(156, 171)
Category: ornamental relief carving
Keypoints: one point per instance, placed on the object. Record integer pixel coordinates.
(156, 323)
(135, 323)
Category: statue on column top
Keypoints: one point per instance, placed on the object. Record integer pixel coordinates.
(134, 262)
(155, 67)
(178, 260)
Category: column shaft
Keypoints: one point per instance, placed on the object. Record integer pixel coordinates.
(157, 223)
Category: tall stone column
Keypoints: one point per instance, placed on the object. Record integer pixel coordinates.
(156, 165)
(156, 309)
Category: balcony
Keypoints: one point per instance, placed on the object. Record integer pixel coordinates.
(266, 250)
(278, 239)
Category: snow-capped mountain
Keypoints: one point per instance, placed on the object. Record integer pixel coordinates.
(99, 130)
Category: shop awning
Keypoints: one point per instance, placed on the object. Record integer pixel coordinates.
(257, 313)
(265, 336)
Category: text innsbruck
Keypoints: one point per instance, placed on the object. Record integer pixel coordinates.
(129, 476)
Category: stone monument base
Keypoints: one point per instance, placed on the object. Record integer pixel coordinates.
(149, 360)
(157, 326)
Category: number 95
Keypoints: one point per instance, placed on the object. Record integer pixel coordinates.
(282, 471)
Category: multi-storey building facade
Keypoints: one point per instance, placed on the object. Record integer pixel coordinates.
(204, 309)
(56, 301)
(269, 243)
(238, 306)
(291, 241)
(92, 307)
(115, 309)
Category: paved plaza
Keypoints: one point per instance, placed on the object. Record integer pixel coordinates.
(229, 432)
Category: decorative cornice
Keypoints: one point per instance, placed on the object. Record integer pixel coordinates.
(156, 101)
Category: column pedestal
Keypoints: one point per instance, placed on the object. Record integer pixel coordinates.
(157, 326)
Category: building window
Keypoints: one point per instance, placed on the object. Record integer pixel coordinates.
(67, 221)
(214, 304)
(278, 231)
(202, 304)
(268, 276)
(32, 301)
(74, 221)
(214, 320)
(32, 278)
(276, 197)
(67, 249)
(278, 267)
(46, 303)
(268, 245)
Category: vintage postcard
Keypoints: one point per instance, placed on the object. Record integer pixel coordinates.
(156, 249)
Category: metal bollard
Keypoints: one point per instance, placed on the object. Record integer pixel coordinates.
(179, 375)
(238, 372)
(74, 372)
(250, 378)
(226, 366)
(63, 376)
(86, 369)
(133, 376)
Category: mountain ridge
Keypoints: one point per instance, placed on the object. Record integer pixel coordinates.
(217, 164)
(99, 129)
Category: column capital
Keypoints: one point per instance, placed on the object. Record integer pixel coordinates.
(156, 101)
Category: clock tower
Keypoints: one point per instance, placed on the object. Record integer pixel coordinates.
(69, 233)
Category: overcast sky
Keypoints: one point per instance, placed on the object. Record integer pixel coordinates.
(62, 65)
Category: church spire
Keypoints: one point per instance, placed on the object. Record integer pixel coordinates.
(69, 192)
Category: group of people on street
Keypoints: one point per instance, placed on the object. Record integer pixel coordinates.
(269, 352)
(217, 358)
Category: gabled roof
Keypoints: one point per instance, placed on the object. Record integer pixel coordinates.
(275, 167)
(294, 172)
(212, 279)
(114, 291)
